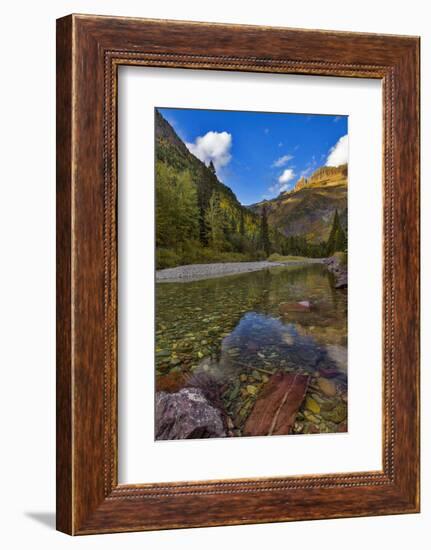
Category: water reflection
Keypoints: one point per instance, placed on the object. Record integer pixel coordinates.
(264, 342)
(192, 319)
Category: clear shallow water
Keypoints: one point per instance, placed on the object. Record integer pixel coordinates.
(234, 329)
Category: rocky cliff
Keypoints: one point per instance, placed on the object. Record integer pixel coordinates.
(325, 176)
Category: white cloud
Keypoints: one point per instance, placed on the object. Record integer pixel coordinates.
(282, 161)
(286, 176)
(339, 153)
(283, 182)
(213, 146)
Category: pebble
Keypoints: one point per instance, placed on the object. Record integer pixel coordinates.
(337, 415)
(196, 272)
(312, 405)
(327, 387)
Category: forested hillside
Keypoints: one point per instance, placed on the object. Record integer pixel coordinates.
(198, 218)
(313, 216)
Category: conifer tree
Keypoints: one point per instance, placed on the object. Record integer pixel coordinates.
(337, 240)
(241, 224)
(214, 221)
(212, 167)
(264, 233)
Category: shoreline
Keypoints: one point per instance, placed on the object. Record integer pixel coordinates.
(197, 272)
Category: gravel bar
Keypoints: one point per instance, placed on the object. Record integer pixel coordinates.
(196, 272)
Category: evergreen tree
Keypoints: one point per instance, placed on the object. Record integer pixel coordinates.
(177, 210)
(264, 233)
(214, 222)
(205, 189)
(337, 240)
(241, 224)
(211, 168)
(187, 223)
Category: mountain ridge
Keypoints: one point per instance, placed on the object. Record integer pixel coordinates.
(325, 176)
(309, 208)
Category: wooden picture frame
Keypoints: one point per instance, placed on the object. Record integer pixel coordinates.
(89, 51)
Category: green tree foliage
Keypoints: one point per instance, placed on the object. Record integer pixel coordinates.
(337, 241)
(205, 187)
(176, 207)
(241, 223)
(264, 232)
(214, 222)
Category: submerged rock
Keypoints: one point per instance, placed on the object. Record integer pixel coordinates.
(338, 268)
(187, 414)
(328, 372)
(277, 404)
(290, 307)
(341, 280)
(312, 405)
(337, 414)
(327, 387)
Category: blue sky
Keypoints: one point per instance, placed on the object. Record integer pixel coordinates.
(258, 155)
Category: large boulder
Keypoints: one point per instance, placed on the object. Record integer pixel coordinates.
(338, 268)
(187, 414)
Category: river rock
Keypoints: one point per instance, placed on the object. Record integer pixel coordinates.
(170, 383)
(328, 372)
(339, 270)
(327, 387)
(337, 414)
(289, 307)
(187, 414)
(311, 417)
(277, 404)
(341, 280)
(252, 390)
(312, 405)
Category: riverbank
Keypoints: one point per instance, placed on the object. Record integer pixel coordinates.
(196, 272)
(337, 265)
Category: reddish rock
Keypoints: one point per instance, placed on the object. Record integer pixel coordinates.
(277, 404)
(342, 427)
(290, 307)
(327, 387)
(171, 382)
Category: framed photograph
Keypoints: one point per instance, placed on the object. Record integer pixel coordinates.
(237, 274)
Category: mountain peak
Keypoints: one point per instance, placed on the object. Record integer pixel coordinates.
(325, 176)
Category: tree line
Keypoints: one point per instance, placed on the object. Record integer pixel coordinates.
(198, 219)
(298, 245)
